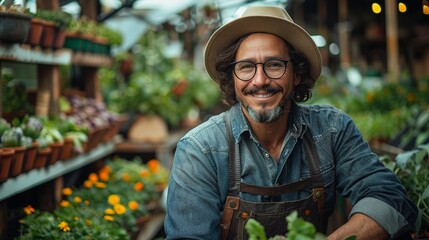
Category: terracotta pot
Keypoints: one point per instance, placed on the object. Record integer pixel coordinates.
(30, 157)
(48, 34)
(60, 37)
(17, 161)
(67, 150)
(55, 152)
(42, 157)
(6, 155)
(35, 32)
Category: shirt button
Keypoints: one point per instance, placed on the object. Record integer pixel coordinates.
(267, 155)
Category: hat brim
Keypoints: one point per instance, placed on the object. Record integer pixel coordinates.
(289, 31)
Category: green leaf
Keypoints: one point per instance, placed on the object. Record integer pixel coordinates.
(425, 194)
(255, 230)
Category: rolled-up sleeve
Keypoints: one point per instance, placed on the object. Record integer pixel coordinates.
(391, 220)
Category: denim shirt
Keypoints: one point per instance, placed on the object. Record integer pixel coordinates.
(198, 183)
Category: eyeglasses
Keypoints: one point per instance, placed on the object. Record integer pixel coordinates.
(246, 70)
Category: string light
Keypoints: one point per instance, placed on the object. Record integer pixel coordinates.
(402, 7)
(425, 6)
(376, 8)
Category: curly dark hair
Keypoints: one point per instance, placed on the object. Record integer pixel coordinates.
(224, 70)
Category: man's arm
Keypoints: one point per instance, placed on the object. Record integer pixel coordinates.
(362, 226)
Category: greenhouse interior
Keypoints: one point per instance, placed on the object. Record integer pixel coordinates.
(111, 118)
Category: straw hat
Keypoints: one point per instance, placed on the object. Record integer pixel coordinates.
(264, 19)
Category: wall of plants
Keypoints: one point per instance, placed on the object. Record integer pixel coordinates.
(159, 84)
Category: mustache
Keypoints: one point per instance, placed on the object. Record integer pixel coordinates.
(267, 89)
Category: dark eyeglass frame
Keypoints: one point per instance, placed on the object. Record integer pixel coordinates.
(233, 64)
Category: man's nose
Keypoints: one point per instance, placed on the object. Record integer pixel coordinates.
(260, 77)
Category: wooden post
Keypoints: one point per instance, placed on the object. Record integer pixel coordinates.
(393, 68)
(48, 4)
(343, 34)
(48, 81)
(92, 83)
(89, 8)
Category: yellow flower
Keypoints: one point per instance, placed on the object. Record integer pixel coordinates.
(77, 199)
(64, 226)
(76, 218)
(108, 218)
(29, 210)
(100, 185)
(119, 209)
(64, 203)
(114, 199)
(109, 211)
(88, 222)
(133, 205)
(67, 191)
(93, 177)
(144, 173)
(153, 165)
(87, 184)
(138, 186)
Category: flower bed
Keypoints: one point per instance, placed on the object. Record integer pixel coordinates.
(110, 204)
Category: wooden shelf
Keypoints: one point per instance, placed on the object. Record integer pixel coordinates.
(91, 60)
(35, 177)
(163, 151)
(27, 54)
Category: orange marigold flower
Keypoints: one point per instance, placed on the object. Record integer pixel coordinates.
(119, 209)
(87, 184)
(144, 173)
(126, 177)
(109, 211)
(64, 203)
(133, 205)
(29, 210)
(67, 191)
(93, 177)
(113, 199)
(86, 202)
(64, 226)
(153, 165)
(100, 185)
(106, 169)
(77, 199)
(104, 176)
(138, 186)
(108, 218)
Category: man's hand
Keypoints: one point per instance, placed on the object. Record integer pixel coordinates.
(361, 226)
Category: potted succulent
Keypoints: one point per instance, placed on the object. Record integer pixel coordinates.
(14, 138)
(32, 127)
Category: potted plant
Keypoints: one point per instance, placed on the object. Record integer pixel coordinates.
(32, 127)
(61, 22)
(14, 138)
(15, 23)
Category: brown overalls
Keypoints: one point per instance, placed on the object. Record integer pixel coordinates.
(272, 215)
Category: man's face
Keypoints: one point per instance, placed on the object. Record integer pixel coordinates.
(264, 98)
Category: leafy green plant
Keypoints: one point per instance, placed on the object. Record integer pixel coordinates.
(61, 19)
(298, 229)
(412, 168)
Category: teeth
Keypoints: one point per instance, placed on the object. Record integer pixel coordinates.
(267, 95)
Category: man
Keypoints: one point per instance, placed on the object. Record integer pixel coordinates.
(268, 155)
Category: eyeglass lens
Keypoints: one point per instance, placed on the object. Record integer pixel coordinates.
(246, 70)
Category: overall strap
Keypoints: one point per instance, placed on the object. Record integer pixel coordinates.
(316, 177)
(233, 200)
(233, 160)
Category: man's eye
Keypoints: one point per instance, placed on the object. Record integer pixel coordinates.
(245, 66)
(274, 64)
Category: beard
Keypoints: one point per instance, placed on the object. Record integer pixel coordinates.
(265, 115)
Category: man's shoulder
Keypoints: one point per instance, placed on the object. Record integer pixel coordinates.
(211, 126)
